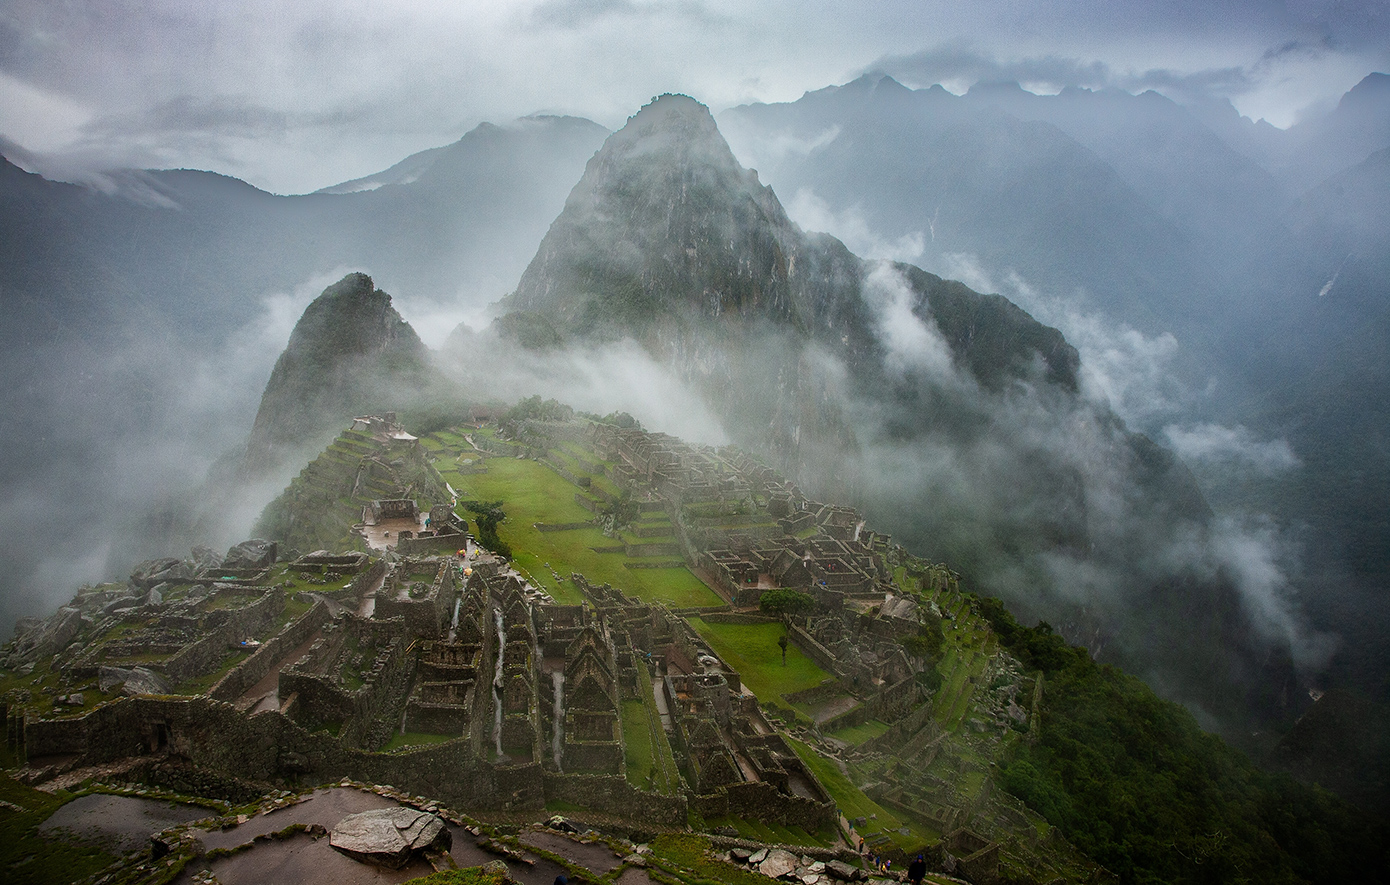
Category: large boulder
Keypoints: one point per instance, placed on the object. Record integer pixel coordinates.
(47, 638)
(778, 863)
(157, 571)
(134, 681)
(206, 558)
(254, 554)
(901, 608)
(389, 837)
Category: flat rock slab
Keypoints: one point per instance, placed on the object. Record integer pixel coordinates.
(390, 836)
(778, 863)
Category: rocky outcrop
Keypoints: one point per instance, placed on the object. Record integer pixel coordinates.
(350, 353)
(46, 638)
(390, 837)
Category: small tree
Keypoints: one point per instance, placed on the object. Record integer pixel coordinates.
(786, 603)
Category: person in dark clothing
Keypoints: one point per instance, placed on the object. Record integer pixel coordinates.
(916, 870)
(562, 879)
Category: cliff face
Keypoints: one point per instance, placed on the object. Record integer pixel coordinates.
(349, 354)
(669, 241)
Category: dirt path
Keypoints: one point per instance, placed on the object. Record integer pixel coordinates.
(265, 695)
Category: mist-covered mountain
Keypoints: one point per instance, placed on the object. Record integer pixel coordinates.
(1222, 294)
(953, 418)
(1223, 280)
(143, 314)
(349, 353)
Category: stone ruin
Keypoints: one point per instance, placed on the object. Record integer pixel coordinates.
(529, 695)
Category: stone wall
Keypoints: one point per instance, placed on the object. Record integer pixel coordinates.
(545, 527)
(582, 482)
(763, 802)
(888, 704)
(902, 730)
(366, 580)
(431, 544)
(738, 618)
(612, 794)
(268, 747)
(258, 666)
(223, 633)
(815, 651)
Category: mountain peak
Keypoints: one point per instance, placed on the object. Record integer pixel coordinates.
(995, 88)
(669, 118)
(350, 351)
(1373, 89)
(663, 200)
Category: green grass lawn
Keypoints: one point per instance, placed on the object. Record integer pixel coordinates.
(752, 650)
(762, 831)
(532, 493)
(645, 769)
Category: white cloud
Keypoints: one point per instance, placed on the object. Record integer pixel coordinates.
(913, 344)
(1121, 366)
(1215, 443)
(358, 85)
(849, 226)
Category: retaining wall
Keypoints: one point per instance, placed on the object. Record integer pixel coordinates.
(268, 656)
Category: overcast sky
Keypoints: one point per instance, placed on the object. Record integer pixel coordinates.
(297, 96)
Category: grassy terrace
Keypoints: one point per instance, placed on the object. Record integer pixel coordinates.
(858, 734)
(770, 832)
(853, 803)
(413, 739)
(752, 650)
(533, 493)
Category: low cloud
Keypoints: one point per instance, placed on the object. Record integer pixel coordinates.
(1131, 372)
(1051, 502)
(619, 376)
(849, 226)
(1232, 446)
(912, 344)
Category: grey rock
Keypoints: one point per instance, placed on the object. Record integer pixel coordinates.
(148, 573)
(758, 856)
(206, 557)
(253, 554)
(51, 637)
(135, 681)
(777, 863)
(25, 625)
(389, 837)
(120, 602)
(841, 870)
